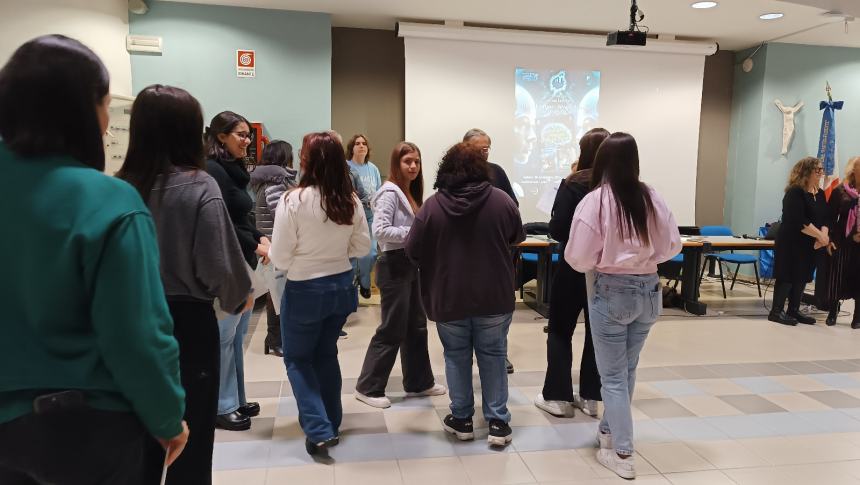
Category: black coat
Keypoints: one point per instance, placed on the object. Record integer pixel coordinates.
(499, 179)
(233, 178)
(794, 252)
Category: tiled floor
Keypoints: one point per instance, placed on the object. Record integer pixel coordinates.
(724, 399)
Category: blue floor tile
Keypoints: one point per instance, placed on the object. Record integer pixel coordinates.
(832, 421)
(836, 381)
(676, 388)
(760, 385)
(538, 438)
(691, 429)
(241, 455)
(787, 424)
(578, 435)
(421, 445)
(286, 453)
(364, 447)
(516, 397)
(746, 426)
(649, 431)
(478, 446)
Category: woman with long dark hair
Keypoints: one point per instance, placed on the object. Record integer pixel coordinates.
(269, 180)
(804, 230)
(318, 227)
(621, 231)
(200, 255)
(91, 368)
(404, 324)
(569, 299)
(227, 140)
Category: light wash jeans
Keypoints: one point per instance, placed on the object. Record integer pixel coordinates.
(622, 309)
(231, 392)
(488, 337)
(363, 266)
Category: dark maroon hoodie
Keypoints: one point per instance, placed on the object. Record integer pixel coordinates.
(461, 242)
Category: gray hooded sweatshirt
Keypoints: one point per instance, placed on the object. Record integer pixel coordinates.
(392, 217)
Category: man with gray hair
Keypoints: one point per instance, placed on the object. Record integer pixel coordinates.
(479, 138)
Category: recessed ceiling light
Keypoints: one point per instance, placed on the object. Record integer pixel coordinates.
(771, 16)
(704, 5)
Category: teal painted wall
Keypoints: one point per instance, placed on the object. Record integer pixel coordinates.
(792, 73)
(291, 93)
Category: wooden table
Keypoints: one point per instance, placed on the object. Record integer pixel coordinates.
(544, 247)
(694, 249)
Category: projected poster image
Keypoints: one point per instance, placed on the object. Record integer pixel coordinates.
(552, 110)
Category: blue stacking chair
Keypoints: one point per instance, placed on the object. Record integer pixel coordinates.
(728, 258)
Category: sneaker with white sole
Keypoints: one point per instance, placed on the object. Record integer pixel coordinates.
(377, 402)
(436, 390)
(623, 467)
(500, 433)
(587, 406)
(460, 427)
(561, 409)
(604, 440)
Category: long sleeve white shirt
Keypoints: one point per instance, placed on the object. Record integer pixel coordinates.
(306, 244)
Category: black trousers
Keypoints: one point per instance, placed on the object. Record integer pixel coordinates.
(567, 300)
(273, 323)
(196, 329)
(83, 446)
(403, 328)
(792, 290)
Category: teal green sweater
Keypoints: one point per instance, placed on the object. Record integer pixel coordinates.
(80, 294)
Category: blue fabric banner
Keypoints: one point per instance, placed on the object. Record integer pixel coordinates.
(827, 141)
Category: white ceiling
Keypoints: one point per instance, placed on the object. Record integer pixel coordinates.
(734, 23)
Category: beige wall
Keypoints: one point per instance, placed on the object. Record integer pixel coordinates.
(367, 88)
(714, 138)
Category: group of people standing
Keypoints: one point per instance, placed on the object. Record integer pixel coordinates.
(818, 235)
(132, 295)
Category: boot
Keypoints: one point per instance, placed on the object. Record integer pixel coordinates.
(834, 312)
(794, 298)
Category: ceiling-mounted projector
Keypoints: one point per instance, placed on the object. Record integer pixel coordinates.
(633, 35)
(626, 37)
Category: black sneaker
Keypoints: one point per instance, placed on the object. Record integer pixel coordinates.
(500, 433)
(508, 366)
(461, 428)
(364, 292)
(342, 334)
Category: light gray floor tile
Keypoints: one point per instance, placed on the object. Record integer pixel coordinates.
(261, 429)
(421, 445)
(662, 408)
(752, 404)
(262, 389)
(835, 399)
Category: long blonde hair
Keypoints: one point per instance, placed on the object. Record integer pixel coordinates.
(801, 172)
(849, 171)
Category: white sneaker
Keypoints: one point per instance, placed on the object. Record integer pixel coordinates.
(562, 409)
(377, 402)
(588, 406)
(436, 390)
(624, 468)
(604, 440)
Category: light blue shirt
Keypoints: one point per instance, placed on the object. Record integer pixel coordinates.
(370, 180)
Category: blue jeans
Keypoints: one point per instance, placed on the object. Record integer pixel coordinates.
(312, 315)
(363, 266)
(622, 310)
(488, 337)
(231, 390)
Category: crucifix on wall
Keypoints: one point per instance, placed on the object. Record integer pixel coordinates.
(788, 113)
